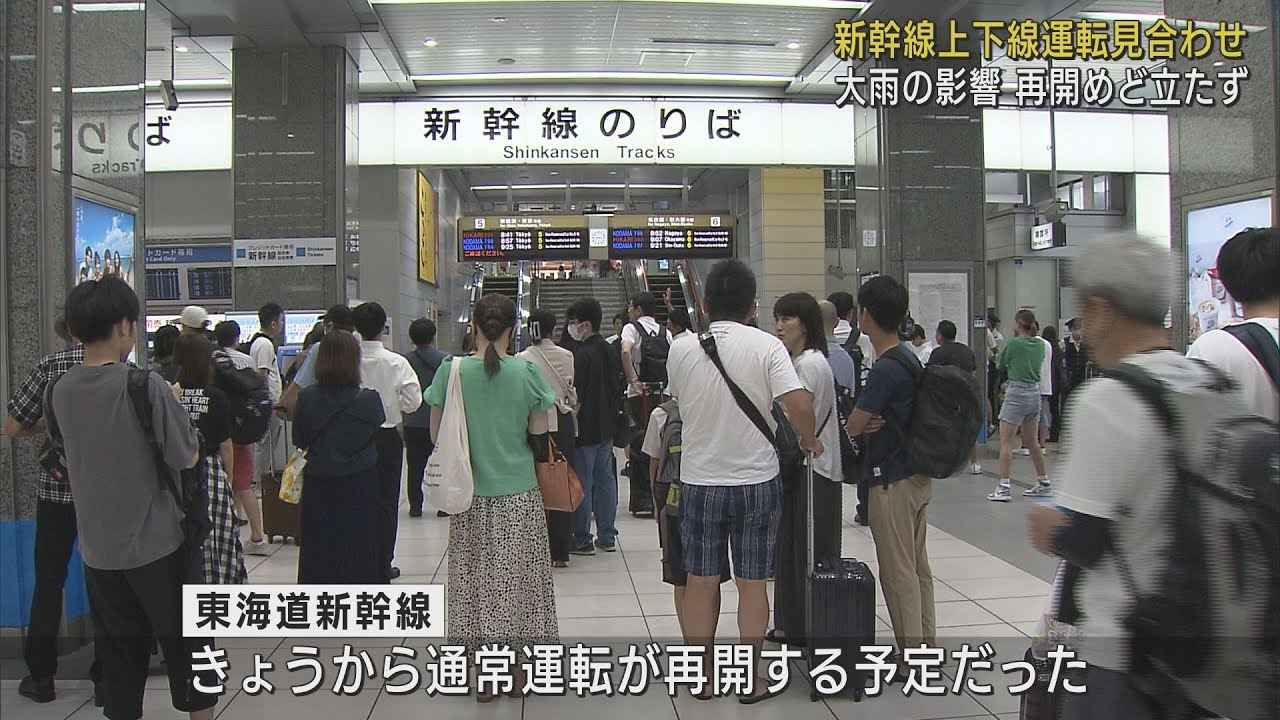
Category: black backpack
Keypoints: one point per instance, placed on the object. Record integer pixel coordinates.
(945, 418)
(859, 360)
(248, 397)
(654, 350)
(245, 347)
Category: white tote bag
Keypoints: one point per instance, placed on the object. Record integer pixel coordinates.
(450, 485)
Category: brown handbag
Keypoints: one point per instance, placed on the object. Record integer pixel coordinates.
(561, 489)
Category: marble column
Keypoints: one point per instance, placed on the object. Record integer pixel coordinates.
(1218, 154)
(787, 251)
(44, 51)
(920, 192)
(295, 170)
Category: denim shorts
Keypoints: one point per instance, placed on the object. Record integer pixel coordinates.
(1021, 403)
(716, 520)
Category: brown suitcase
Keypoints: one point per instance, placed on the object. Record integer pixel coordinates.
(279, 518)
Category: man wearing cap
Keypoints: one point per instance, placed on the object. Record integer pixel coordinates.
(194, 320)
(337, 317)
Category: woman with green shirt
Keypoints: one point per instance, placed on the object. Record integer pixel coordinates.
(1021, 359)
(500, 588)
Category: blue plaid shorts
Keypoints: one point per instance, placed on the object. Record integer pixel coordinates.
(717, 519)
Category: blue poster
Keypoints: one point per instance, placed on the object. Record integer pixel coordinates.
(104, 242)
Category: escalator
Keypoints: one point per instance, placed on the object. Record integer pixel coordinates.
(508, 285)
(659, 284)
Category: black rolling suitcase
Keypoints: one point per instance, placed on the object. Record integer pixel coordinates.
(841, 598)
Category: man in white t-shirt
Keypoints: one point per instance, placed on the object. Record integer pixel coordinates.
(1249, 268)
(731, 495)
(641, 330)
(393, 378)
(847, 311)
(1046, 388)
(1116, 483)
(262, 350)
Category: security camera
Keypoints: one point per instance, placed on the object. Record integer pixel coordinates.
(170, 95)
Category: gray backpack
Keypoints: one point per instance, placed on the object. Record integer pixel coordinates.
(672, 446)
(1206, 626)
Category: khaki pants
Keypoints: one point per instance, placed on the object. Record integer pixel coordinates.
(899, 522)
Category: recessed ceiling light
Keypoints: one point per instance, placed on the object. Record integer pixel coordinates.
(430, 42)
(289, 135)
(613, 172)
(506, 61)
(793, 45)
(180, 48)
(1218, 63)
(498, 19)
(553, 173)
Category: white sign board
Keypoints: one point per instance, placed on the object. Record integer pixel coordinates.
(938, 296)
(869, 238)
(550, 131)
(599, 237)
(1042, 237)
(193, 137)
(282, 252)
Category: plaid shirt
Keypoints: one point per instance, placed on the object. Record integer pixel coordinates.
(27, 407)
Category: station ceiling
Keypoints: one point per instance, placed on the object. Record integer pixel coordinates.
(407, 47)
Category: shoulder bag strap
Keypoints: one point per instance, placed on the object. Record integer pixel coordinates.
(898, 355)
(331, 417)
(1258, 341)
(749, 408)
(139, 396)
(564, 387)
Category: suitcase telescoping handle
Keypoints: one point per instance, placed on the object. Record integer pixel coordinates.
(809, 554)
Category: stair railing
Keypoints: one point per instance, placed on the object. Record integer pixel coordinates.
(691, 286)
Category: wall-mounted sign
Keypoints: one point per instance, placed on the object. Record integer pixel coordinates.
(599, 237)
(282, 252)
(868, 238)
(552, 130)
(103, 242)
(426, 230)
(495, 238)
(1049, 236)
(671, 236)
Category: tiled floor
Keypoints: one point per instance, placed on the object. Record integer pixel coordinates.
(619, 597)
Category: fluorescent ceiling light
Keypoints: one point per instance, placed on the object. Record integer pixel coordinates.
(676, 77)
(854, 6)
(194, 84)
(1143, 17)
(430, 42)
(103, 7)
(181, 48)
(1148, 19)
(576, 186)
(95, 89)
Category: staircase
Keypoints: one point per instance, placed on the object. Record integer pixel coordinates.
(558, 295)
(500, 284)
(658, 285)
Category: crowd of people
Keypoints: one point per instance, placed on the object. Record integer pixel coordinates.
(135, 460)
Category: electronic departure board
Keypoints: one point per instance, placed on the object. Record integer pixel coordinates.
(671, 236)
(533, 237)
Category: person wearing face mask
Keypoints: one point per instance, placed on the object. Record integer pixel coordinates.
(597, 378)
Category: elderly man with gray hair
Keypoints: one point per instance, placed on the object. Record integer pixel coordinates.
(1113, 523)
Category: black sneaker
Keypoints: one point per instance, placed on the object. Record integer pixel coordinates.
(607, 547)
(441, 513)
(394, 573)
(40, 691)
(415, 512)
(99, 695)
(584, 549)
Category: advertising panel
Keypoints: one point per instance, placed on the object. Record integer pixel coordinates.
(1209, 305)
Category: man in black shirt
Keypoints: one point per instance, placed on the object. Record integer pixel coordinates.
(596, 376)
(950, 352)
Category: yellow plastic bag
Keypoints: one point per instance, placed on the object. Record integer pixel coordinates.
(291, 481)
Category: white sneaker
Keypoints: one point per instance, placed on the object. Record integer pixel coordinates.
(1041, 489)
(1025, 452)
(1000, 494)
(259, 547)
(975, 469)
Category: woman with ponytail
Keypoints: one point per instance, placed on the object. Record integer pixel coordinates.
(500, 588)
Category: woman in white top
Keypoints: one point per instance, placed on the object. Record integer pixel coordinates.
(555, 364)
(799, 326)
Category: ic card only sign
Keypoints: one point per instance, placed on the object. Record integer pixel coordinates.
(671, 236)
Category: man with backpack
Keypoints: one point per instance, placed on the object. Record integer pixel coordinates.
(425, 359)
(897, 497)
(227, 361)
(55, 533)
(1249, 267)
(1165, 517)
(262, 348)
(845, 372)
(854, 341)
(645, 347)
(137, 531)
